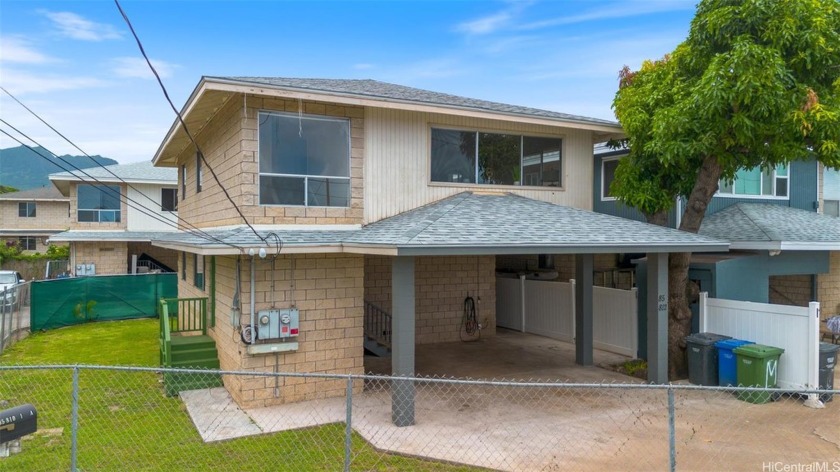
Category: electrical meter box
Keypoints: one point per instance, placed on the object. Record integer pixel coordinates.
(278, 324)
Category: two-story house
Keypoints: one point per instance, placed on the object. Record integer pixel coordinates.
(784, 245)
(115, 212)
(29, 217)
(378, 209)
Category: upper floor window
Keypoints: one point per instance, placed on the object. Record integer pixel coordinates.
(168, 199)
(26, 209)
(608, 167)
(198, 172)
(495, 159)
(198, 271)
(183, 181)
(304, 160)
(831, 192)
(756, 182)
(99, 203)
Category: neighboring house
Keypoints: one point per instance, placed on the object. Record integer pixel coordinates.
(115, 212)
(782, 250)
(392, 205)
(30, 217)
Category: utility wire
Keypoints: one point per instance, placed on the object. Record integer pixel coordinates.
(184, 221)
(181, 120)
(128, 201)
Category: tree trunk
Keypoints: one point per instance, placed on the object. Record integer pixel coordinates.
(679, 314)
(659, 218)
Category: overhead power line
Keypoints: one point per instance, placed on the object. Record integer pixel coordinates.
(181, 121)
(181, 219)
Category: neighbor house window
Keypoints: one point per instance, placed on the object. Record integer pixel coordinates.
(26, 209)
(99, 203)
(495, 158)
(608, 167)
(27, 243)
(198, 271)
(198, 172)
(831, 191)
(168, 199)
(756, 182)
(304, 160)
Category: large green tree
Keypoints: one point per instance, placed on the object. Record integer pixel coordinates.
(755, 84)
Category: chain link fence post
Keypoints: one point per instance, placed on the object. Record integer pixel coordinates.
(74, 424)
(672, 440)
(348, 432)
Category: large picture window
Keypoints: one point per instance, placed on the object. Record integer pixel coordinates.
(99, 203)
(756, 182)
(304, 160)
(495, 158)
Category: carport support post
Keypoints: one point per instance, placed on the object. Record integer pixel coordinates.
(583, 309)
(657, 317)
(402, 340)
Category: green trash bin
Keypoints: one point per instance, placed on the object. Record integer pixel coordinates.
(757, 366)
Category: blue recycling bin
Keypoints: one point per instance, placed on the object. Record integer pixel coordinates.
(727, 364)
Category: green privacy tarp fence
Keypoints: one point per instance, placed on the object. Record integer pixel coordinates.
(66, 302)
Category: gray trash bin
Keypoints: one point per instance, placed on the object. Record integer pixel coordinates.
(828, 360)
(703, 358)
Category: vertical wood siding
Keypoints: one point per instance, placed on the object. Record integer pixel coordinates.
(143, 220)
(397, 162)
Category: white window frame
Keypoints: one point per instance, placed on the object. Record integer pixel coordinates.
(32, 239)
(306, 178)
(28, 205)
(162, 199)
(604, 196)
(477, 131)
(761, 185)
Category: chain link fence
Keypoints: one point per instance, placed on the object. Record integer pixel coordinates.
(14, 314)
(120, 418)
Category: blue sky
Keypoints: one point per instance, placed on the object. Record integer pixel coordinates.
(75, 63)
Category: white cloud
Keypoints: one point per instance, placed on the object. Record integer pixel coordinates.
(19, 50)
(613, 11)
(21, 82)
(76, 26)
(487, 24)
(136, 67)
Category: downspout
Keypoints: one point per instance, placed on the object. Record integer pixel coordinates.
(253, 295)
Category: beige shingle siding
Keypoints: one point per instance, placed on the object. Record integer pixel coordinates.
(48, 215)
(829, 287)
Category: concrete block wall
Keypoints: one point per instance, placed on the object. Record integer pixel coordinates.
(442, 283)
(48, 215)
(326, 288)
(829, 287)
(110, 257)
(74, 214)
(795, 290)
(230, 146)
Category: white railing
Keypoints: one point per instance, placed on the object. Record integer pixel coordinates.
(548, 309)
(792, 328)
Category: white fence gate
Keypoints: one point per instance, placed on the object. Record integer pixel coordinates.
(548, 309)
(792, 328)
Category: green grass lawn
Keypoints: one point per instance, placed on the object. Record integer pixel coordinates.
(127, 423)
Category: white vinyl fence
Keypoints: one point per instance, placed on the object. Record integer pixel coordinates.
(794, 329)
(548, 309)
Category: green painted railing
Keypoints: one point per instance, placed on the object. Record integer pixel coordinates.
(165, 335)
(186, 315)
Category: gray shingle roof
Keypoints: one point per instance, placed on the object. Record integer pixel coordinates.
(138, 171)
(40, 193)
(489, 224)
(112, 236)
(383, 90)
(754, 225)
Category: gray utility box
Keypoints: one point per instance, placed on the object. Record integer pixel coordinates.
(17, 422)
(278, 324)
(703, 358)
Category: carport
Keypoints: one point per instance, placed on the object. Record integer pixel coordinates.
(504, 224)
